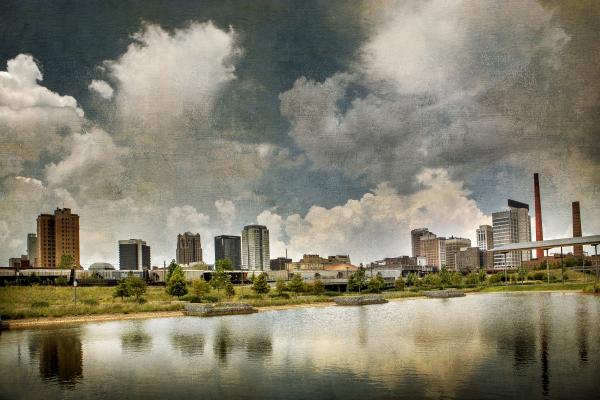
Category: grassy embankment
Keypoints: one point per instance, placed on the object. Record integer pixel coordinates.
(53, 301)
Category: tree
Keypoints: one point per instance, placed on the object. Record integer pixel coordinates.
(122, 290)
(358, 280)
(296, 285)
(229, 289)
(200, 287)
(176, 286)
(318, 287)
(482, 276)
(445, 277)
(456, 280)
(376, 284)
(399, 283)
(220, 278)
(224, 264)
(433, 280)
(472, 279)
(136, 287)
(170, 270)
(260, 284)
(280, 286)
(412, 279)
(522, 274)
(67, 261)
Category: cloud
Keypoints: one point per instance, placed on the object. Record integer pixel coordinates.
(378, 224)
(32, 118)
(168, 81)
(227, 212)
(93, 169)
(102, 88)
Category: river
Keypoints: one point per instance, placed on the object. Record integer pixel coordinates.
(488, 346)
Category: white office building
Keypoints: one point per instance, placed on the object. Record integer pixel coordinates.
(255, 248)
(511, 226)
(485, 237)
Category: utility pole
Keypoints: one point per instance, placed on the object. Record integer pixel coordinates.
(596, 259)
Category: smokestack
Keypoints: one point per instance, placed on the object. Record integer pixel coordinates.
(539, 234)
(578, 249)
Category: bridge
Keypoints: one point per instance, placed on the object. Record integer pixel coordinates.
(546, 245)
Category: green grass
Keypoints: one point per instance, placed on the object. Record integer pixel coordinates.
(55, 301)
(534, 287)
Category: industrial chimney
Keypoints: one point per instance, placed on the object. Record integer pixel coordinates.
(539, 234)
(578, 249)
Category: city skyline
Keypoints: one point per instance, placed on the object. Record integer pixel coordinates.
(364, 122)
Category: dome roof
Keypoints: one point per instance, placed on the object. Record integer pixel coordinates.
(101, 266)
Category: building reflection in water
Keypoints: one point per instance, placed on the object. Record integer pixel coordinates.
(544, 344)
(60, 356)
(582, 325)
(136, 339)
(188, 344)
(524, 345)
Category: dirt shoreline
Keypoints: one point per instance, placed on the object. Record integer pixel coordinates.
(27, 323)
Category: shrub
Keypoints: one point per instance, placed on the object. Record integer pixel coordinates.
(40, 304)
(456, 280)
(61, 281)
(176, 285)
(90, 302)
(318, 287)
(260, 284)
(229, 289)
(280, 286)
(280, 295)
(210, 299)
(376, 284)
(482, 276)
(412, 279)
(399, 283)
(472, 279)
(193, 298)
(296, 285)
(200, 287)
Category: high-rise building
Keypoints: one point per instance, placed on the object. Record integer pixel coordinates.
(58, 239)
(433, 248)
(279, 263)
(255, 248)
(134, 254)
(468, 259)
(415, 236)
(512, 226)
(485, 237)
(453, 246)
(32, 248)
(228, 247)
(577, 249)
(189, 248)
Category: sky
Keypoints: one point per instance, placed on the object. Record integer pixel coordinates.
(341, 125)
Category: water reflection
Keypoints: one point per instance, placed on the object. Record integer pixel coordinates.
(60, 356)
(188, 344)
(259, 347)
(222, 343)
(582, 323)
(544, 344)
(136, 339)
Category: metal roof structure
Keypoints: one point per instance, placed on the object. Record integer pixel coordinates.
(548, 244)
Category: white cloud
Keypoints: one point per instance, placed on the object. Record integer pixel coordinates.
(102, 88)
(227, 212)
(378, 225)
(32, 118)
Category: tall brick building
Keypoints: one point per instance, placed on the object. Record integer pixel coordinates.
(57, 236)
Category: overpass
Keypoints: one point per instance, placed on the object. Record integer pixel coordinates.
(593, 240)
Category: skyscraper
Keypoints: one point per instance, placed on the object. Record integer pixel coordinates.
(189, 248)
(485, 237)
(433, 248)
(58, 237)
(228, 247)
(512, 226)
(415, 236)
(255, 248)
(32, 248)
(453, 246)
(134, 254)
